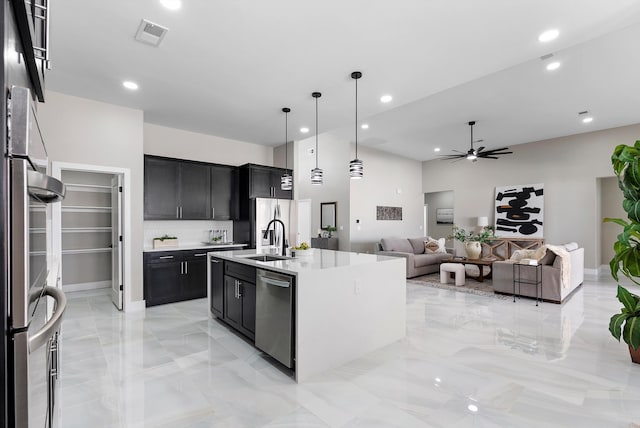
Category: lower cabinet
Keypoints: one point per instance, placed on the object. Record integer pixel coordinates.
(233, 295)
(174, 276)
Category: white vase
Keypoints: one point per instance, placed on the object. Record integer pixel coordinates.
(473, 249)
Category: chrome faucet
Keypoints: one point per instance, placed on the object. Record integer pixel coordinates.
(284, 234)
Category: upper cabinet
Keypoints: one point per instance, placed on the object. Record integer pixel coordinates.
(32, 19)
(224, 192)
(186, 190)
(263, 182)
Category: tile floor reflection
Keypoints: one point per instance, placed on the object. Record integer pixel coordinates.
(467, 361)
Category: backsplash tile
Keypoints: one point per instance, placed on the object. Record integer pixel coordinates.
(187, 232)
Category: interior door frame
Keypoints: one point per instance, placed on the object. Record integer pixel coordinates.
(117, 192)
(56, 218)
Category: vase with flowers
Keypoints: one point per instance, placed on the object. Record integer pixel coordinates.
(473, 240)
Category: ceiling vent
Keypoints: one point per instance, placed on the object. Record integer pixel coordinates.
(150, 33)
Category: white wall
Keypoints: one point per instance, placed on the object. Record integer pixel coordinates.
(389, 180)
(567, 166)
(83, 131)
(610, 206)
(180, 144)
(333, 158)
(437, 200)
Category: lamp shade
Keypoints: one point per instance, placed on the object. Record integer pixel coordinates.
(483, 221)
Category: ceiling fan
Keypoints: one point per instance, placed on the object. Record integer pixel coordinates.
(474, 154)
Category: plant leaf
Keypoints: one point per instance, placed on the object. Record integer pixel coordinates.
(627, 299)
(632, 332)
(615, 325)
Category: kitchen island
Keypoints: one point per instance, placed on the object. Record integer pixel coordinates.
(344, 305)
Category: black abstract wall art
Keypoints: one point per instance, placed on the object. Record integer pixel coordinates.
(519, 211)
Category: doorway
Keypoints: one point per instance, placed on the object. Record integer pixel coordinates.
(439, 215)
(90, 232)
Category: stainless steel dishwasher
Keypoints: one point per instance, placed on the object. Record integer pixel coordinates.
(274, 315)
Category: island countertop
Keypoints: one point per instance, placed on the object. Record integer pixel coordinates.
(319, 260)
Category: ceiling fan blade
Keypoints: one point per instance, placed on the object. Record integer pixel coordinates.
(480, 149)
(448, 157)
(495, 151)
(487, 157)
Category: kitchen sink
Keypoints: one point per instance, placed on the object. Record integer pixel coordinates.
(267, 258)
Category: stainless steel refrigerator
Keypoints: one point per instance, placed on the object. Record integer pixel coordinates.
(35, 305)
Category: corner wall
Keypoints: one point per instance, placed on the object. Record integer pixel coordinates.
(180, 144)
(568, 167)
(79, 130)
(389, 180)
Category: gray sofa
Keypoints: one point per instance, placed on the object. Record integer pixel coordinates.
(418, 263)
(552, 289)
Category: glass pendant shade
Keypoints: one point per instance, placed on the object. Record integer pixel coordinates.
(316, 176)
(356, 169)
(286, 181)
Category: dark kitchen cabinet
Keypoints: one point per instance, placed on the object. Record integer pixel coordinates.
(194, 191)
(216, 286)
(240, 298)
(161, 189)
(259, 181)
(177, 189)
(224, 192)
(174, 276)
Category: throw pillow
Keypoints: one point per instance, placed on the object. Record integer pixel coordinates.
(548, 257)
(431, 246)
(523, 254)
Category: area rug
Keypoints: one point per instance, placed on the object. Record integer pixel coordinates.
(471, 286)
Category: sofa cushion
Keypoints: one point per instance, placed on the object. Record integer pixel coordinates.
(396, 244)
(429, 259)
(418, 244)
(434, 246)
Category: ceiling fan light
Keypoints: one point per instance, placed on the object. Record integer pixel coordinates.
(472, 156)
(316, 176)
(356, 169)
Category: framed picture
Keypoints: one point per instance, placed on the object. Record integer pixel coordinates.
(520, 211)
(444, 215)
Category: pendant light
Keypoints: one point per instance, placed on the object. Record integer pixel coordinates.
(356, 166)
(286, 181)
(316, 173)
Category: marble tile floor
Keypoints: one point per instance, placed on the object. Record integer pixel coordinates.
(467, 361)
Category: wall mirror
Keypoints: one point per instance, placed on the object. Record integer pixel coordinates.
(328, 214)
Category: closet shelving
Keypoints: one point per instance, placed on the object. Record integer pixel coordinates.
(86, 229)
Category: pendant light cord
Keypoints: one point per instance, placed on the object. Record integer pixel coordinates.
(356, 118)
(316, 132)
(286, 142)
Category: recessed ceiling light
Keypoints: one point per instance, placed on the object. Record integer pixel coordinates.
(548, 35)
(304, 130)
(553, 66)
(587, 120)
(386, 98)
(130, 85)
(437, 149)
(365, 126)
(171, 4)
(472, 408)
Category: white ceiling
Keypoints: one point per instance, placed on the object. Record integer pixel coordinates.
(227, 68)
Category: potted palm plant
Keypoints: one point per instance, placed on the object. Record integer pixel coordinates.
(626, 324)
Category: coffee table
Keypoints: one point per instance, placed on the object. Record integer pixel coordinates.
(476, 262)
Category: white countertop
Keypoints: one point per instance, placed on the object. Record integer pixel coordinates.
(320, 260)
(194, 246)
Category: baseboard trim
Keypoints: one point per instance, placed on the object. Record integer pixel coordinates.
(83, 286)
(592, 272)
(137, 306)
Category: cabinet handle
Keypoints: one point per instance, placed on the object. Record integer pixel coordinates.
(235, 291)
(180, 212)
(181, 268)
(166, 257)
(213, 212)
(200, 255)
(239, 289)
(215, 261)
(177, 212)
(186, 268)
